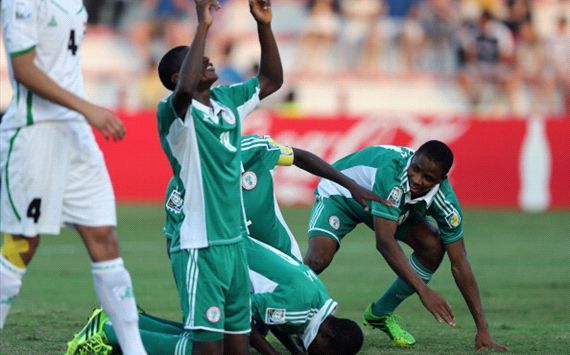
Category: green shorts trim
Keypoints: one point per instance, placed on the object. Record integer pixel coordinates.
(213, 289)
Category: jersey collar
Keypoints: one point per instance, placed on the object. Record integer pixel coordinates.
(427, 198)
(313, 328)
(211, 112)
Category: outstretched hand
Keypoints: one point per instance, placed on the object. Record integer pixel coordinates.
(438, 306)
(261, 10)
(204, 10)
(483, 341)
(362, 195)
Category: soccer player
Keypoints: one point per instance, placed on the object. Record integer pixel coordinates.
(200, 132)
(286, 296)
(416, 184)
(53, 172)
(260, 156)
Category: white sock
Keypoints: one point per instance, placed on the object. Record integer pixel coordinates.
(10, 283)
(115, 291)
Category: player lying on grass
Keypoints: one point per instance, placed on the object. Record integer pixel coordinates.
(425, 215)
(286, 296)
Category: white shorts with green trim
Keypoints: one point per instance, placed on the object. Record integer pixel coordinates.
(53, 174)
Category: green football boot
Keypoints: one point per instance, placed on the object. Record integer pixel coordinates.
(91, 339)
(389, 324)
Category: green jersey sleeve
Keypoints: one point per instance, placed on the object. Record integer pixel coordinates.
(264, 152)
(446, 211)
(388, 186)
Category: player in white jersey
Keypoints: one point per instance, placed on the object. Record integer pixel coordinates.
(53, 172)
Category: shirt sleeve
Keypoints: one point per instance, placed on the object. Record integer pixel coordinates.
(286, 156)
(447, 213)
(243, 96)
(388, 187)
(20, 20)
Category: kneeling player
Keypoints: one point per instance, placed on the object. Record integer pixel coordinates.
(287, 297)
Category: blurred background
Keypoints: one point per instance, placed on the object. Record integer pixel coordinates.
(489, 77)
(442, 57)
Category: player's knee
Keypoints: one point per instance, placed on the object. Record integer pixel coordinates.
(101, 242)
(19, 250)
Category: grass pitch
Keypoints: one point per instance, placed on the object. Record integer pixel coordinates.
(521, 260)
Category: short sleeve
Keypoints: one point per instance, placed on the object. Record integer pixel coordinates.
(20, 25)
(243, 96)
(447, 213)
(387, 186)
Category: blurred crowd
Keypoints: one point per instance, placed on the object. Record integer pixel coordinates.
(497, 53)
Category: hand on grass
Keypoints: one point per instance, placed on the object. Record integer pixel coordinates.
(483, 341)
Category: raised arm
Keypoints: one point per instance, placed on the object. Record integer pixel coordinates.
(387, 245)
(313, 164)
(193, 64)
(467, 284)
(28, 74)
(270, 68)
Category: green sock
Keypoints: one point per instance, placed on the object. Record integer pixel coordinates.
(400, 290)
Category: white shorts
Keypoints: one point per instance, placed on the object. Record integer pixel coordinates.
(53, 174)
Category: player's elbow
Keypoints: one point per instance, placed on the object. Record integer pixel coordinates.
(317, 263)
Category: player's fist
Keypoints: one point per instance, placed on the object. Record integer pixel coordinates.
(204, 11)
(261, 10)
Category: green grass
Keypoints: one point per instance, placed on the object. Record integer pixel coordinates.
(522, 263)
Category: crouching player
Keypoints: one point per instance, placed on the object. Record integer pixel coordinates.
(287, 297)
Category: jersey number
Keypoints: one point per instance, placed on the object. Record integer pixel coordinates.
(71, 43)
(34, 209)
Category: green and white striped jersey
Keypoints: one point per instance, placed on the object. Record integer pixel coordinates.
(286, 293)
(383, 169)
(260, 155)
(55, 30)
(204, 151)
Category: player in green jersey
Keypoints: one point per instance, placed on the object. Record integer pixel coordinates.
(425, 215)
(287, 297)
(260, 156)
(200, 132)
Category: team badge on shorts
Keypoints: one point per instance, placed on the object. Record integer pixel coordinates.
(275, 316)
(248, 180)
(175, 202)
(395, 195)
(213, 314)
(334, 222)
(453, 219)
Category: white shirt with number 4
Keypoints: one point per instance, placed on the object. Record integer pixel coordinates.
(54, 29)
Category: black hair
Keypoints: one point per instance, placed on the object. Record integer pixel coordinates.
(344, 336)
(170, 65)
(439, 153)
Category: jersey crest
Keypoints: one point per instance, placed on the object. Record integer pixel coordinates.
(334, 222)
(395, 195)
(275, 316)
(23, 11)
(248, 180)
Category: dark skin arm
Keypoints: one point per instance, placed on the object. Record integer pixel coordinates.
(467, 284)
(191, 68)
(259, 343)
(270, 68)
(386, 243)
(313, 164)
